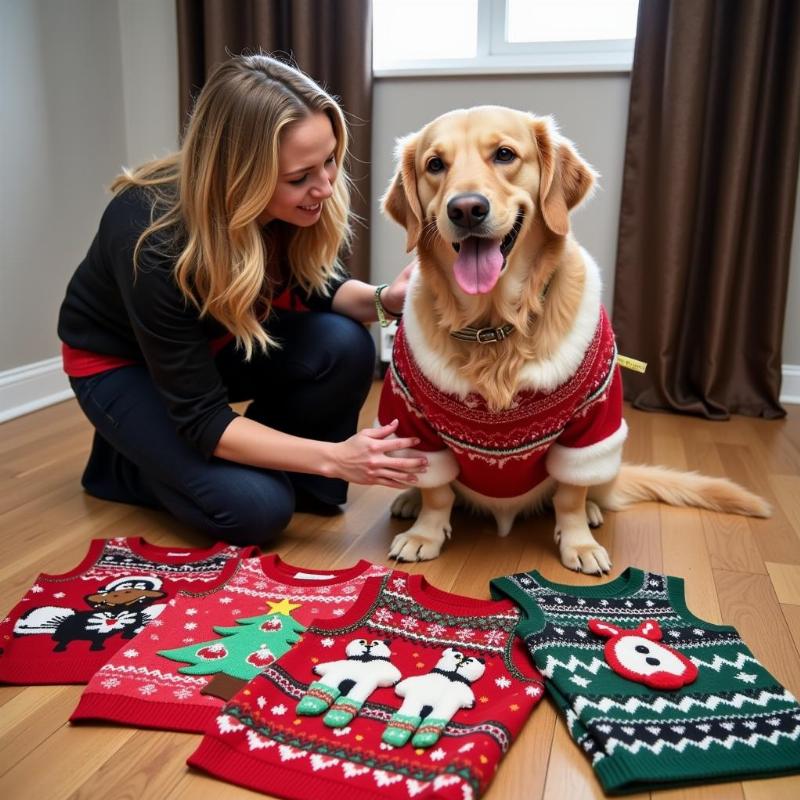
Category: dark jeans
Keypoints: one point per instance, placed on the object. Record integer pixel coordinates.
(313, 386)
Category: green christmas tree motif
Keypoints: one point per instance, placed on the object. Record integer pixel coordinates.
(248, 647)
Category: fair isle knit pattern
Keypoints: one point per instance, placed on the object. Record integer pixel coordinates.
(165, 678)
(502, 454)
(732, 720)
(66, 626)
(418, 693)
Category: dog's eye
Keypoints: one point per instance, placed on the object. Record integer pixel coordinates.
(435, 164)
(504, 154)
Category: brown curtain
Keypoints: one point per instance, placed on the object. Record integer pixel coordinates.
(707, 204)
(329, 41)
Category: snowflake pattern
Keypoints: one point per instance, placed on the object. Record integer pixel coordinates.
(493, 637)
(148, 689)
(190, 626)
(328, 642)
(190, 612)
(131, 653)
(110, 683)
(157, 623)
(466, 747)
(399, 584)
(502, 682)
(225, 600)
(182, 693)
(59, 595)
(279, 710)
(383, 616)
(465, 634)
(338, 612)
(533, 691)
(409, 623)
(36, 588)
(438, 754)
(435, 629)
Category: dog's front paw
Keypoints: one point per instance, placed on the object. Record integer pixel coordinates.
(415, 545)
(407, 504)
(583, 554)
(594, 516)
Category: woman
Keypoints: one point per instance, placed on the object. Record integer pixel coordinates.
(214, 277)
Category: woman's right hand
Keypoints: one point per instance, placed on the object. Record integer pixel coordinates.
(365, 458)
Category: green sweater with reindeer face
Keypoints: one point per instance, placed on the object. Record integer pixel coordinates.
(653, 695)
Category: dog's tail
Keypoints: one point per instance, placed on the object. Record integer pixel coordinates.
(637, 483)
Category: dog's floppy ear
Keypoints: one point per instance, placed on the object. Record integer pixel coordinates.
(401, 201)
(565, 178)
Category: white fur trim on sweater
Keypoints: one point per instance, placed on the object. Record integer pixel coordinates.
(544, 376)
(588, 466)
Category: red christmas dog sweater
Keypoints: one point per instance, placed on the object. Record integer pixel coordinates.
(415, 693)
(96, 608)
(574, 432)
(177, 674)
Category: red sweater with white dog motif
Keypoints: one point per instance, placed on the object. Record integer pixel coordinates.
(574, 433)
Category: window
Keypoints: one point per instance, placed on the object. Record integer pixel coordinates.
(470, 36)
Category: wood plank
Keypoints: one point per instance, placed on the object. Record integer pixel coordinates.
(785, 581)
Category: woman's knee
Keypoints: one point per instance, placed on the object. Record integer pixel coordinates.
(247, 507)
(349, 350)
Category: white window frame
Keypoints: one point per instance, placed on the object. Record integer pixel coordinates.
(497, 56)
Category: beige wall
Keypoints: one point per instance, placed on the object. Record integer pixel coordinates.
(90, 85)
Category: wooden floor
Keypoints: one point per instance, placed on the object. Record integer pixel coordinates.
(738, 571)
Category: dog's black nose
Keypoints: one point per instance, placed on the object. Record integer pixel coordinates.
(466, 210)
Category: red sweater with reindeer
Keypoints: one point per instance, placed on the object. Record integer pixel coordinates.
(415, 692)
(574, 433)
(177, 674)
(67, 625)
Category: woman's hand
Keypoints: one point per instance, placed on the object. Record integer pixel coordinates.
(393, 296)
(365, 458)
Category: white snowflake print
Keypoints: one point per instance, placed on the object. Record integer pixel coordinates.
(533, 691)
(190, 612)
(236, 611)
(148, 689)
(385, 746)
(225, 600)
(493, 637)
(36, 588)
(171, 602)
(559, 600)
(466, 747)
(338, 612)
(349, 590)
(131, 653)
(59, 595)
(438, 754)
(435, 629)
(525, 581)
(604, 602)
(154, 637)
(190, 626)
(502, 682)
(675, 634)
(261, 584)
(383, 616)
(328, 642)
(279, 710)
(581, 601)
(187, 640)
(156, 623)
(698, 631)
(465, 634)
(110, 683)
(399, 583)
(261, 702)
(409, 623)
(628, 604)
(582, 634)
(182, 693)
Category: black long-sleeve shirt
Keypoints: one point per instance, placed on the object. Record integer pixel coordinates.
(114, 309)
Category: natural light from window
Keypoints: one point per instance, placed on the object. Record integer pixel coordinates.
(570, 20)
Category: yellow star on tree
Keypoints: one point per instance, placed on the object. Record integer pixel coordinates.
(284, 607)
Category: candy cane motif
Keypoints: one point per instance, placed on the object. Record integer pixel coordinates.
(638, 656)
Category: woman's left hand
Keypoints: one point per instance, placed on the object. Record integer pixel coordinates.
(393, 296)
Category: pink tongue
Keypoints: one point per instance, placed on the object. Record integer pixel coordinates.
(478, 265)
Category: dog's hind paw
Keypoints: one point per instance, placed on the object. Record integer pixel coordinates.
(410, 547)
(594, 516)
(407, 504)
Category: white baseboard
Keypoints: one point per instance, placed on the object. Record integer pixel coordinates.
(34, 386)
(790, 386)
(31, 387)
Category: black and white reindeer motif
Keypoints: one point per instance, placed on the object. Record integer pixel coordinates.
(122, 606)
(431, 700)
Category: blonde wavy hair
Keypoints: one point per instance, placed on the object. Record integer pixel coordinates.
(208, 196)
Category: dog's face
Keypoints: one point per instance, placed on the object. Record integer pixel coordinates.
(473, 185)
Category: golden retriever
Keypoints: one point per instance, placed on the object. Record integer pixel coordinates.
(504, 364)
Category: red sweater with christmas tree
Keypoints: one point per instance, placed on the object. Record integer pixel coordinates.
(177, 674)
(93, 610)
(414, 693)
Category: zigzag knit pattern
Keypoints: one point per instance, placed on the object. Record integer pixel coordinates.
(734, 721)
